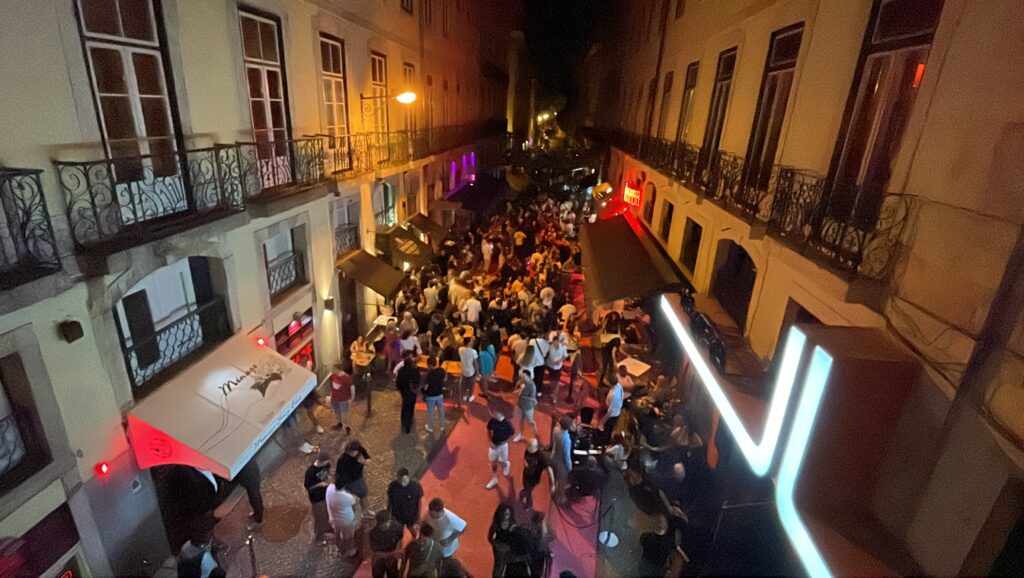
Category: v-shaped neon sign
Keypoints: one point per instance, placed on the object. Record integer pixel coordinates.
(761, 455)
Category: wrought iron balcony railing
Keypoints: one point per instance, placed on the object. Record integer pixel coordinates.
(157, 354)
(132, 199)
(861, 236)
(270, 165)
(387, 218)
(346, 238)
(28, 249)
(285, 272)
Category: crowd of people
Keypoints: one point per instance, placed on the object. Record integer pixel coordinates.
(503, 288)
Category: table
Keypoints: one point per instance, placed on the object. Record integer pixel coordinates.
(635, 367)
(450, 367)
(362, 359)
(468, 331)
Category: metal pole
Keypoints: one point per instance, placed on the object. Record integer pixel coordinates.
(250, 543)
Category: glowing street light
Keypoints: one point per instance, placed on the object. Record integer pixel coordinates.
(407, 97)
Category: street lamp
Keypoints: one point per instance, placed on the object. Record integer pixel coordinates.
(370, 103)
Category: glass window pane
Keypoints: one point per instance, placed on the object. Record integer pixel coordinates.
(786, 48)
(325, 56)
(100, 16)
(154, 114)
(148, 74)
(906, 18)
(136, 19)
(259, 115)
(277, 114)
(330, 115)
(339, 66)
(328, 94)
(109, 70)
(268, 40)
(255, 77)
(162, 157)
(131, 168)
(251, 38)
(117, 117)
(273, 84)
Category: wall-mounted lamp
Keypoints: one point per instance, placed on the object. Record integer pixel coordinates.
(369, 104)
(71, 331)
(329, 304)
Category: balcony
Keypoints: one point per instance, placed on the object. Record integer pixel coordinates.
(151, 359)
(270, 170)
(114, 204)
(284, 273)
(362, 153)
(28, 249)
(346, 238)
(860, 239)
(386, 218)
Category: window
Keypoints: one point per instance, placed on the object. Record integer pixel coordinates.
(126, 63)
(407, 6)
(666, 220)
(23, 447)
(650, 202)
(428, 103)
(444, 18)
(719, 105)
(686, 107)
(386, 213)
(379, 88)
(335, 88)
(283, 257)
(409, 84)
(680, 8)
(886, 84)
(444, 103)
(691, 244)
(428, 12)
(261, 48)
(772, 103)
(652, 99)
(666, 99)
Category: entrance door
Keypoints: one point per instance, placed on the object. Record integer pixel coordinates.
(734, 282)
(141, 328)
(349, 311)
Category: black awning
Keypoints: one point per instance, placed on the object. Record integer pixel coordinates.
(371, 271)
(619, 264)
(430, 228)
(406, 247)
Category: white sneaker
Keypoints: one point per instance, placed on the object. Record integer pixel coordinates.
(306, 448)
(471, 398)
(507, 469)
(430, 429)
(493, 483)
(518, 438)
(320, 429)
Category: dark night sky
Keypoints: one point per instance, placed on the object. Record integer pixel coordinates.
(558, 34)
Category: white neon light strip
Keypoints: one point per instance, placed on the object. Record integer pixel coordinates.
(760, 455)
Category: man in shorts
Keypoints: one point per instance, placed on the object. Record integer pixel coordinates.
(342, 392)
(499, 431)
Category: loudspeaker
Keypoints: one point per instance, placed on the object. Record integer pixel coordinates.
(71, 331)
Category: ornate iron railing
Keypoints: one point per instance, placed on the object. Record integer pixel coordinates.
(130, 198)
(269, 165)
(387, 217)
(285, 272)
(28, 248)
(154, 354)
(346, 238)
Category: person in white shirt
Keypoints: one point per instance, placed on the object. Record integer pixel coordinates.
(447, 526)
(341, 510)
(517, 346)
(409, 323)
(430, 295)
(410, 342)
(557, 353)
(538, 362)
(614, 402)
(565, 312)
(471, 309)
(486, 249)
(547, 297)
(470, 360)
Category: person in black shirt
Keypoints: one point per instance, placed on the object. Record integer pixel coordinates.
(349, 472)
(386, 543)
(316, 487)
(404, 496)
(535, 463)
(433, 394)
(499, 430)
(500, 536)
(408, 383)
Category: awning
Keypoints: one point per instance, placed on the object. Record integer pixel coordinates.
(619, 263)
(216, 414)
(430, 228)
(371, 271)
(407, 248)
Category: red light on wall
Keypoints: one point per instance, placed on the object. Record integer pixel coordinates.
(102, 469)
(918, 75)
(260, 341)
(631, 195)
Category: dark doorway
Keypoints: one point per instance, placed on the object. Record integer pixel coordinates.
(348, 310)
(140, 326)
(734, 281)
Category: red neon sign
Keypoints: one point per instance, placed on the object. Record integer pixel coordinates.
(631, 195)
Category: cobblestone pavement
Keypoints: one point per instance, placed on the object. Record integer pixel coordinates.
(284, 544)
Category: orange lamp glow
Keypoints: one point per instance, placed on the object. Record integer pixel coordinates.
(918, 75)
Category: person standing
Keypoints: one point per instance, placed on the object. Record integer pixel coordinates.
(557, 354)
(471, 309)
(423, 555)
(447, 527)
(488, 363)
(316, 488)
(433, 394)
(408, 383)
(561, 455)
(535, 463)
(499, 431)
(574, 359)
(404, 497)
(348, 474)
(386, 546)
(613, 401)
(527, 404)
(500, 536)
(342, 510)
(249, 478)
(470, 360)
(539, 361)
(342, 392)
(486, 250)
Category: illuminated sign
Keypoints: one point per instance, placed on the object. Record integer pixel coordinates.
(760, 455)
(631, 195)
